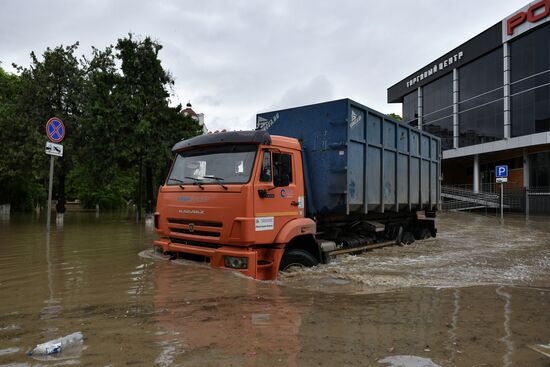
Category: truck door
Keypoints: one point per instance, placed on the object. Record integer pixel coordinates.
(278, 198)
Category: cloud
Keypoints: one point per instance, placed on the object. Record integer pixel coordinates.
(317, 90)
(233, 59)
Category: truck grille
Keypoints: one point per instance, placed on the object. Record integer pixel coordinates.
(193, 243)
(195, 232)
(195, 222)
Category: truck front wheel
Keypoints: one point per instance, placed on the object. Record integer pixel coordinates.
(297, 258)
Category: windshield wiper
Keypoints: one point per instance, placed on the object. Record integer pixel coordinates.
(198, 181)
(178, 180)
(218, 180)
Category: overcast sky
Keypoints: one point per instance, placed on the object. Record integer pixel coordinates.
(235, 58)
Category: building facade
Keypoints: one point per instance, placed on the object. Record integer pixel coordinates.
(199, 117)
(489, 101)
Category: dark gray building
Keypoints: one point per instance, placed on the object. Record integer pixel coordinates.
(489, 101)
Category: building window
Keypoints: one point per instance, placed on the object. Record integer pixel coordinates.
(487, 171)
(540, 170)
(437, 107)
(410, 108)
(481, 105)
(530, 82)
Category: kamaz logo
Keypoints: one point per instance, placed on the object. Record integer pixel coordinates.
(191, 211)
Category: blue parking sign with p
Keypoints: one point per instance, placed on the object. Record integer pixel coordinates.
(501, 171)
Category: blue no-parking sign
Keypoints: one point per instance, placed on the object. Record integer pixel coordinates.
(501, 171)
(55, 130)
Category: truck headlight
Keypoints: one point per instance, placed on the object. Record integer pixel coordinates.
(235, 262)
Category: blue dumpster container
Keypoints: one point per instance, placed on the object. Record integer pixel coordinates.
(358, 160)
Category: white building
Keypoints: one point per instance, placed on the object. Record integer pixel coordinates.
(196, 116)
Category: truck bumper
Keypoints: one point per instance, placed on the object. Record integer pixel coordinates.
(262, 263)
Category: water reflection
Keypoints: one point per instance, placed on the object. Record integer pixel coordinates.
(507, 338)
(453, 328)
(7, 351)
(52, 307)
(59, 221)
(245, 321)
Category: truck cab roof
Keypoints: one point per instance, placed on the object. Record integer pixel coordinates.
(236, 137)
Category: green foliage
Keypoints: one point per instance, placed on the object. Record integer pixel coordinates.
(19, 183)
(52, 86)
(395, 116)
(144, 99)
(114, 193)
(119, 125)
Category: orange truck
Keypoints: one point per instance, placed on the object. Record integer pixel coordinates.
(309, 183)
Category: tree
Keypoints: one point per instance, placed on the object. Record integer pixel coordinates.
(120, 126)
(395, 116)
(19, 179)
(53, 87)
(100, 175)
(152, 123)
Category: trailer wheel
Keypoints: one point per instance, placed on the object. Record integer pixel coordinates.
(422, 234)
(407, 238)
(296, 258)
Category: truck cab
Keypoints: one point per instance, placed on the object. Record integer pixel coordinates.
(235, 200)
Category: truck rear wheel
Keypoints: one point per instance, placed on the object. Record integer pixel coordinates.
(296, 258)
(422, 234)
(407, 238)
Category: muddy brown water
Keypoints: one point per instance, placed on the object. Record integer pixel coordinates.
(477, 295)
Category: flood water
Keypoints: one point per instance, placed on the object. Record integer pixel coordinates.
(478, 295)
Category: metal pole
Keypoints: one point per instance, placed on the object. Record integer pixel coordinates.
(527, 202)
(501, 201)
(50, 186)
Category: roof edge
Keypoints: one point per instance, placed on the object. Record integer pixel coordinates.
(230, 137)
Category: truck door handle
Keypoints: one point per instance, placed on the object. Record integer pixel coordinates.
(263, 193)
(294, 203)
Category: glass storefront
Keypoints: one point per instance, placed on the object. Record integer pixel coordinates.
(481, 95)
(410, 108)
(530, 82)
(540, 170)
(437, 106)
(481, 106)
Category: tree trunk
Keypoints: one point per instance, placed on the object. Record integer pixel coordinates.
(138, 214)
(149, 188)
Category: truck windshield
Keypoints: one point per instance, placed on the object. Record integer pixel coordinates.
(214, 165)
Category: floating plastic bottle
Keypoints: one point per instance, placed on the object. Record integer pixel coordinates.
(57, 345)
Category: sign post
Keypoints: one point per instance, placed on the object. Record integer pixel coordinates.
(50, 186)
(56, 132)
(501, 175)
